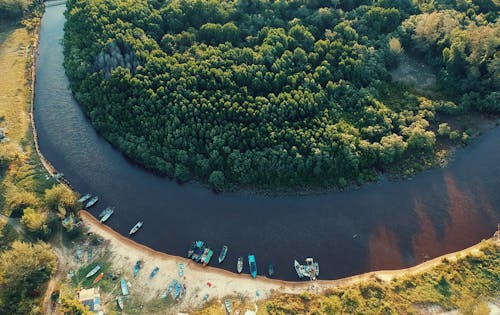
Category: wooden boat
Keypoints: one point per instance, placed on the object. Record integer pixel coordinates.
(223, 253)
(181, 269)
(124, 287)
(154, 272)
(239, 264)
(119, 300)
(91, 202)
(208, 257)
(98, 278)
(93, 271)
(227, 303)
(84, 198)
(298, 268)
(270, 270)
(137, 267)
(136, 227)
(253, 266)
(106, 216)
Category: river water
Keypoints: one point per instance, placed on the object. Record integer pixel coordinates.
(385, 225)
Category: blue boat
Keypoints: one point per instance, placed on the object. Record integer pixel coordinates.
(137, 267)
(253, 265)
(124, 287)
(154, 272)
(178, 290)
(171, 286)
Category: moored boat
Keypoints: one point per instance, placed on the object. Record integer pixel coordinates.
(91, 202)
(84, 198)
(223, 254)
(253, 266)
(270, 270)
(298, 268)
(106, 216)
(197, 251)
(103, 212)
(93, 271)
(124, 286)
(239, 264)
(191, 249)
(98, 278)
(136, 227)
(312, 268)
(154, 272)
(208, 257)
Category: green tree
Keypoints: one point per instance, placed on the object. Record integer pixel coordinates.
(216, 180)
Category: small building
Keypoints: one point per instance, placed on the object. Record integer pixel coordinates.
(92, 299)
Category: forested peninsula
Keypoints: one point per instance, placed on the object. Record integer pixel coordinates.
(279, 94)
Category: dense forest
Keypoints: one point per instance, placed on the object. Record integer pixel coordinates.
(287, 93)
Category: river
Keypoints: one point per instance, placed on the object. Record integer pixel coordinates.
(385, 225)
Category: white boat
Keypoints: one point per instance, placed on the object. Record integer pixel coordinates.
(91, 202)
(239, 265)
(136, 227)
(106, 216)
(298, 268)
(93, 271)
(119, 300)
(84, 198)
(103, 212)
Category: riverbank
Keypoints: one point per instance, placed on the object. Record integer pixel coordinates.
(125, 252)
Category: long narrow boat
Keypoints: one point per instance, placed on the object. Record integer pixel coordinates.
(239, 264)
(270, 270)
(84, 198)
(223, 253)
(137, 267)
(253, 266)
(98, 278)
(208, 257)
(106, 216)
(181, 269)
(298, 268)
(119, 300)
(93, 271)
(177, 290)
(103, 212)
(171, 286)
(123, 285)
(154, 272)
(228, 306)
(91, 202)
(136, 227)
(191, 249)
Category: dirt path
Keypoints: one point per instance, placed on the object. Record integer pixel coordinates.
(125, 252)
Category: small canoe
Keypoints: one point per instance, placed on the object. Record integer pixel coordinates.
(253, 266)
(223, 253)
(154, 272)
(136, 228)
(107, 215)
(181, 269)
(228, 306)
(93, 271)
(270, 270)
(84, 198)
(119, 300)
(98, 278)
(137, 267)
(91, 202)
(239, 265)
(124, 286)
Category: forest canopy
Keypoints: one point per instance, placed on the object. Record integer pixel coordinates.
(287, 93)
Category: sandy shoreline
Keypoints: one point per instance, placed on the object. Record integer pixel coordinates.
(125, 252)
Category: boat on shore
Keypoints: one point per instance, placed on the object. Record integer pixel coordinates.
(136, 228)
(227, 303)
(124, 287)
(154, 272)
(106, 216)
(137, 267)
(223, 254)
(98, 278)
(93, 271)
(181, 269)
(84, 198)
(239, 264)
(92, 202)
(253, 266)
(171, 286)
(270, 270)
(119, 300)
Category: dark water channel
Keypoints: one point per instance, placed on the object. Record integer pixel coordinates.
(380, 226)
